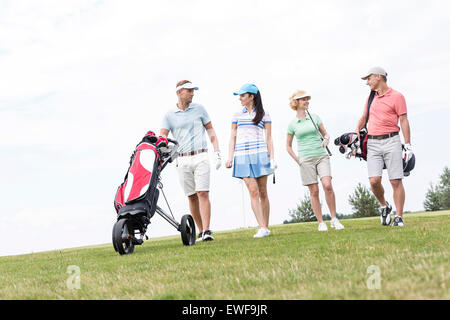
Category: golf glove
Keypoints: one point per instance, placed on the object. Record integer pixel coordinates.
(325, 141)
(273, 164)
(218, 159)
(408, 152)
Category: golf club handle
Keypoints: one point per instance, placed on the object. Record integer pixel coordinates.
(326, 147)
(175, 142)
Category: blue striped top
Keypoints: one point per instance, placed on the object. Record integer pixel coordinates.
(250, 137)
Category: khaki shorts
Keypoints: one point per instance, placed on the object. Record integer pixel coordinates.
(387, 151)
(312, 168)
(193, 173)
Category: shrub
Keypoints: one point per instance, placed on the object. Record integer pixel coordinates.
(363, 202)
(438, 196)
(303, 212)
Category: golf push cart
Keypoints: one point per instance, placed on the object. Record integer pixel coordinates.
(136, 198)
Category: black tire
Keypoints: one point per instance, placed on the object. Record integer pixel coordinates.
(121, 237)
(187, 229)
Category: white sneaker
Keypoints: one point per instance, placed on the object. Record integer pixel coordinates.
(262, 232)
(336, 224)
(323, 226)
(207, 235)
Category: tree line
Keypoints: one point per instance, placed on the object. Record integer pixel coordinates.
(364, 203)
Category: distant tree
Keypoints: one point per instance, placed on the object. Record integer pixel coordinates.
(438, 196)
(364, 204)
(433, 199)
(444, 187)
(303, 212)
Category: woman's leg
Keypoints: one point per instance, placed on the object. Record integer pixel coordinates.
(253, 190)
(329, 195)
(264, 199)
(315, 202)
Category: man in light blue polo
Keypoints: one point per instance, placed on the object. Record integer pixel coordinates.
(188, 123)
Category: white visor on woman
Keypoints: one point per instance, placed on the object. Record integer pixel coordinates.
(302, 95)
(187, 85)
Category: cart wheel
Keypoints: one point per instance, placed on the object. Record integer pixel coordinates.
(121, 237)
(187, 229)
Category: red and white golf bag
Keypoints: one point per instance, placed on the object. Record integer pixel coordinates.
(142, 174)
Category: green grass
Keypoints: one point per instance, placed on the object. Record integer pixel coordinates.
(295, 262)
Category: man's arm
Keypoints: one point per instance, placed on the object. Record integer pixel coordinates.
(212, 135)
(362, 121)
(404, 124)
(164, 133)
(360, 125)
(165, 127)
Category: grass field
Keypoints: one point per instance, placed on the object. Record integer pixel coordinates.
(364, 261)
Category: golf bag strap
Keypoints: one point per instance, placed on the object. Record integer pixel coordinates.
(369, 102)
(131, 162)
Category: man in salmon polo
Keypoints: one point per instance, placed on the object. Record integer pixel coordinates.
(384, 147)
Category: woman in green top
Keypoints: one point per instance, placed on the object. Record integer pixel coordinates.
(312, 158)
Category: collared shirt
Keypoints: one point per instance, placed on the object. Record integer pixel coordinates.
(384, 112)
(188, 127)
(309, 143)
(250, 137)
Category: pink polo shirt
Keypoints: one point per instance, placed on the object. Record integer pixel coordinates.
(385, 111)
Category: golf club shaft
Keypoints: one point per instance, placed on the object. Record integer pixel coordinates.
(317, 129)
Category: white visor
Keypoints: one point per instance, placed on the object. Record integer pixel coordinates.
(302, 96)
(187, 85)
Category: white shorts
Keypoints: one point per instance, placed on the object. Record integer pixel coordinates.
(193, 172)
(387, 151)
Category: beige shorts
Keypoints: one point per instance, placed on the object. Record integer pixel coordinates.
(193, 173)
(387, 151)
(312, 168)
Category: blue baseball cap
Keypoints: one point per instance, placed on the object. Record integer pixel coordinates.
(247, 88)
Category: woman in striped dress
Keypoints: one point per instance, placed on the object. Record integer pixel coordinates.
(251, 152)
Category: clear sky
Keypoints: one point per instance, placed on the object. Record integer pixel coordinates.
(82, 81)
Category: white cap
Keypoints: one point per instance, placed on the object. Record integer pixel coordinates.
(187, 85)
(301, 94)
(375, 70)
